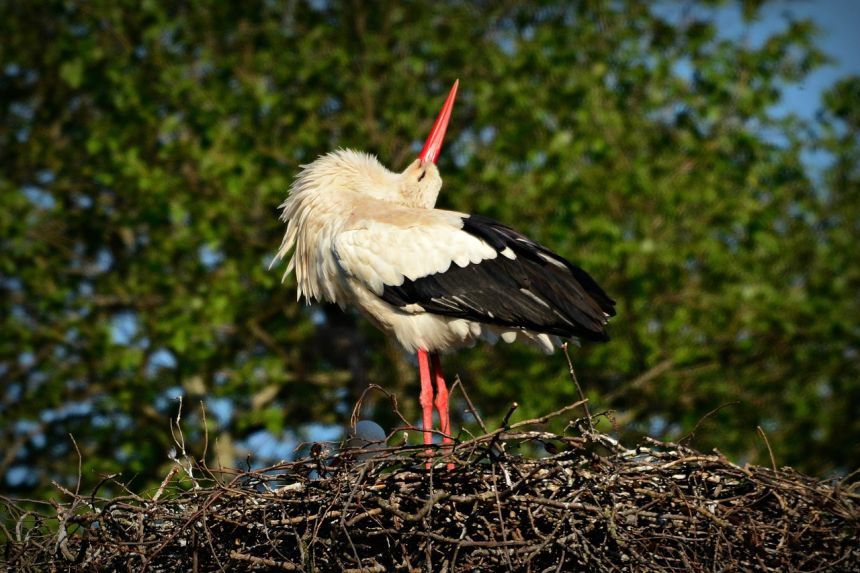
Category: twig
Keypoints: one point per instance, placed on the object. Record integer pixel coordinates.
(459, 384)
(769, 450)
(641, 380)
(493, 446)
(356, 410)
(282, 565)
(507, 417)
(205, 431)
(173, 471)
(578, 387)
(692, 433)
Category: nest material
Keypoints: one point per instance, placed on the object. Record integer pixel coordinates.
(587, 505)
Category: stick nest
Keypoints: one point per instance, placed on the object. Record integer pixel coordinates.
(516, 500)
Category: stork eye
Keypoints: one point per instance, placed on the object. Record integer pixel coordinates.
(423, 173)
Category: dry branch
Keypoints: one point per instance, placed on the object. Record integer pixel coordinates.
(592, 506)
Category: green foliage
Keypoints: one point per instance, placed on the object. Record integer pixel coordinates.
(146, 146)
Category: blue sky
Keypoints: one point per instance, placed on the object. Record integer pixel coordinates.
(839, 37)
(839, 21)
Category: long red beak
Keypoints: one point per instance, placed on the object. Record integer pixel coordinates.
(433, 145)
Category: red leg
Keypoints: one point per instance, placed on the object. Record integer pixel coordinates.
(441, 398)
(426, 397)
(442, 402)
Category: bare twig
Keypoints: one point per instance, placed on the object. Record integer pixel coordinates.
(582, 397)
(692, 433)
(769, 450)
(474, 411)
(265, 562)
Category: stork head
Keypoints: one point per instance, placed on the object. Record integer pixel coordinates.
(420, 183)
(346, 174)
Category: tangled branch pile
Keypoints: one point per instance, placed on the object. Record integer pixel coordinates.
(589, 505)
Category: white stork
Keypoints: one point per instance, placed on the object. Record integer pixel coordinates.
(365, 236)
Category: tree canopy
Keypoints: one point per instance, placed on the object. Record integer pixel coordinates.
(145, 148)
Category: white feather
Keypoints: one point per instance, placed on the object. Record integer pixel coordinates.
(382, 254)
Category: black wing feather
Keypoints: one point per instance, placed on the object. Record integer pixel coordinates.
(537, 290)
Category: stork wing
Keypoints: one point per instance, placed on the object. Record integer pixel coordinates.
(475, 268)
(406, 245)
